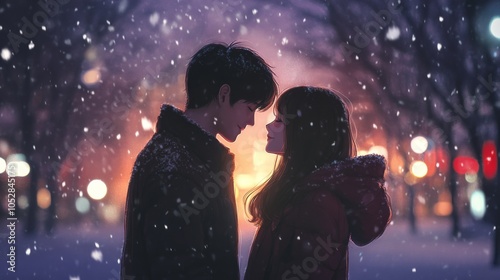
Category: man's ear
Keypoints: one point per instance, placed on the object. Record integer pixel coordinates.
(224, 93)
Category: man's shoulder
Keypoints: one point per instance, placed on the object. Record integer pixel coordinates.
(166, 153)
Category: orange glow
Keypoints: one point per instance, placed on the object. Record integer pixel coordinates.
(244, 181)
(410, 179)
(91, 77)
(442, 208)
(396, 163)
(43, 198)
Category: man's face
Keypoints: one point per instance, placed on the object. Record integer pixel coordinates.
(234, 118)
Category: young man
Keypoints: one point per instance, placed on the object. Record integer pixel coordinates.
(180, 219)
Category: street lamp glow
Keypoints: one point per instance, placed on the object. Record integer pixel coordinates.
(3, 165)
(91, 77)
(43, 198)
(419, 144)
(379, 150)
(18, 168)
(418, 169)
(82, 205)
(478, 204)
(495, 27)
(97, 189)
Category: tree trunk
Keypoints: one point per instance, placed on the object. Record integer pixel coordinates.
(411, 209)
(455, 220)
(496, 236)
(496, 196)
(27, 143)
(52, 185)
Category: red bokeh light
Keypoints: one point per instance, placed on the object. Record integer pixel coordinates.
(463, 165)
(489, 160)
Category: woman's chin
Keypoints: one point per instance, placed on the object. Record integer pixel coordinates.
(272, 150)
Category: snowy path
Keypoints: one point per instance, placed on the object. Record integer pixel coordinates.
(93, 252)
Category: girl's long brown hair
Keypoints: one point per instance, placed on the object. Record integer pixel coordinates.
(317, 131)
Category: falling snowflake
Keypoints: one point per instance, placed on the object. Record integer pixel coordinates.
(96, 255)
(393, 33)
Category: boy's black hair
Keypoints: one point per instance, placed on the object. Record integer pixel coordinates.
(249, 76)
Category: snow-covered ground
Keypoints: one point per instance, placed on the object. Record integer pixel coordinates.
(430, 254)
(91, 252)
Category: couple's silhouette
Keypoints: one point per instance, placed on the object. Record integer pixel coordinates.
(180, 220)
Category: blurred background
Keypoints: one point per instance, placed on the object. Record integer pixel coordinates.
(82, 82)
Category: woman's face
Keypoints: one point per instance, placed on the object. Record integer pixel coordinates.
(275, 136)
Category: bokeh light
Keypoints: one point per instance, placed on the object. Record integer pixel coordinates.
(442, 208)
(477, 204)
(22, 202)
(91, 77)
(489, 160)
(3, 165)
(379, 150)
(5, 54)
(111, 213)
(97, 189)
(410, 179)
(18, 168)
(82, 205)
(146, 124)
(471, 177)
(495, 27)
(418, 168)
(419, 144)
(43, 198)
(464, 165)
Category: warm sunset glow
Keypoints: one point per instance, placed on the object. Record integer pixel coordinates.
(245, 181)
(362, 152)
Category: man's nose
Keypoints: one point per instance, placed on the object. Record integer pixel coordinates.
(252, 119)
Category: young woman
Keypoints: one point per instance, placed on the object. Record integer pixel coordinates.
(319, 196)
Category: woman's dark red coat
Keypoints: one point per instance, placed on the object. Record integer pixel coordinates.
(343, 201)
